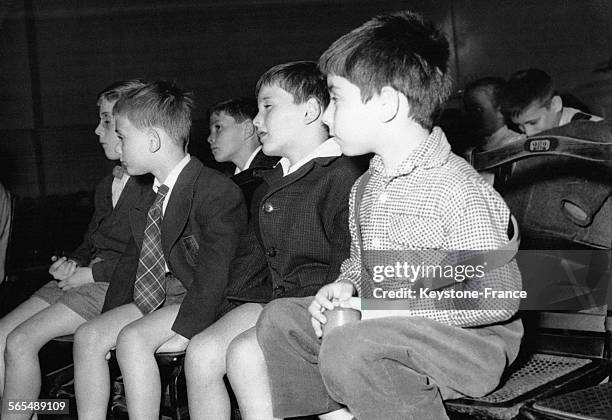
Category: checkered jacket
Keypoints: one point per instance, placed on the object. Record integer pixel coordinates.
(432, 200)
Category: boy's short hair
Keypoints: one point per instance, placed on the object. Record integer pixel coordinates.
(302, 79)
(116, 90)
(494, 86)
(159, 104)
(523, 88)
(400, 50)
(240, 109)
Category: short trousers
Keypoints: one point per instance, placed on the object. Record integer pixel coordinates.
(86, 300)
(175, 291)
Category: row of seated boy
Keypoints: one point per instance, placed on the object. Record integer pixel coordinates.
(172, 261)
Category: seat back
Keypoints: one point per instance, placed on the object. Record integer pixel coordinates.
(558, 185)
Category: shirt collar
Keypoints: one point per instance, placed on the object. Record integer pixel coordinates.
(431, 153)
(248, 162)
(325, 149)
(173, 175)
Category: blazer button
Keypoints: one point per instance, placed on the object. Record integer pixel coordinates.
(268, 207)
(271, 252)
(279, 291)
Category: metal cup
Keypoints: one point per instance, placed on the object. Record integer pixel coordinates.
(339, 316)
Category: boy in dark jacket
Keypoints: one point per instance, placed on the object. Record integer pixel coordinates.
(299, 225)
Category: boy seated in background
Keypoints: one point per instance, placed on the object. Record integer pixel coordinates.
(532, 103)
(233, 138)
(299, 233)
(169, 282)
(81, 279)
(482, 102)
(387, 79)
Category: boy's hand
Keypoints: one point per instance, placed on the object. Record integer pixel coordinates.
(81, 276)
(176, 343)
(351, 303)
(328, 297)
(62, 268)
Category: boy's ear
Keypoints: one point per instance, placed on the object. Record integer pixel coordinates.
(556, 103)
(313, 110)
(389, 100)
(154, 140)
(248, 128)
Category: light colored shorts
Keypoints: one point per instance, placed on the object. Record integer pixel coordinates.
(86, 300)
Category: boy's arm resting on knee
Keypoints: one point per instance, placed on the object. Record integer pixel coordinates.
(222, 219)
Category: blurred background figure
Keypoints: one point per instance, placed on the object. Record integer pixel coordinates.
(482, 103)
(531, 101)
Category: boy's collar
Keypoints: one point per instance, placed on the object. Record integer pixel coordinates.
(328, 148)
(431, 153)
(173, 175)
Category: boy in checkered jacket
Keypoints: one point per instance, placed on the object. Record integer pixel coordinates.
(387, 79)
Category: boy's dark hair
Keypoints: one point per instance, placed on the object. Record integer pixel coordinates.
(523, 88)
(400, 50)
(494, 86)
(240, 109)
(159, 104)
(302, 79)
(114, 91)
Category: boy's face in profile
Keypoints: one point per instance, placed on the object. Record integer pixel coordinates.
(226, 136)
(106, 130)
(486, 117)
(133, 146)
(539, 116)
(350, 121)
(279, 121)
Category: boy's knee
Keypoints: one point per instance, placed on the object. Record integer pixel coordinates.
(18, 343)
(129, 338)
(241, 351)
(275, 318)
(87, 336)
(204, 351)
(342, 355)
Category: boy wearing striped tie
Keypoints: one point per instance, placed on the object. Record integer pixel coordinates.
(170, 280)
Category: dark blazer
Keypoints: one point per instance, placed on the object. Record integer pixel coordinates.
(203, 220)
(299, 232)
(108, 232)
(248, 180)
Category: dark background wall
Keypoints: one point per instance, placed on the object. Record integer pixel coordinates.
(55, 55)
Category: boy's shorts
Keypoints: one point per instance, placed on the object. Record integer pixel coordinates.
(86, 300)
(175, 291)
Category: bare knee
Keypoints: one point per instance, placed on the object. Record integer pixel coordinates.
(131, 341)
(243, 353)
(19, 343)
(89, 340)
(205, 356)
(5, 330)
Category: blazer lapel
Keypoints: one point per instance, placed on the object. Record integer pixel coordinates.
(127, 189)
(179, 206)
(277, 181)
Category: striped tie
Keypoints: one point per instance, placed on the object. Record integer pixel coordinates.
(150, 288)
